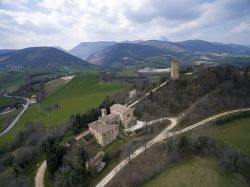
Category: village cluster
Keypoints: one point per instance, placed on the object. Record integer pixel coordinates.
(106, 128)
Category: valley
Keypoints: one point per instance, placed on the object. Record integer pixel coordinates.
(67, 101)
(124, 93)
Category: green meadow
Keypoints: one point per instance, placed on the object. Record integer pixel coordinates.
(11, 80)
(54, 85)
(194, 172)
(83, 92)
(7, 101)
(235, 133)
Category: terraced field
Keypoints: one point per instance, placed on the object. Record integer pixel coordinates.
(81, 93)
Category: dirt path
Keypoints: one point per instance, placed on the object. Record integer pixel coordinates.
(40, 175)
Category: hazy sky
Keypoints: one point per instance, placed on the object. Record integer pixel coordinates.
(65, 23)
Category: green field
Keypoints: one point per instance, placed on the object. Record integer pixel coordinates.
(11, 80)
(236, 133)
(8, 117)
(83, 92)
(54, 85)
(195, 172)
(7, 101)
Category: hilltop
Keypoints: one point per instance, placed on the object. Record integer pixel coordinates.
(40, 57)
(85, 49)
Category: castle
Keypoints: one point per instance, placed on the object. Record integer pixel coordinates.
(175, 68)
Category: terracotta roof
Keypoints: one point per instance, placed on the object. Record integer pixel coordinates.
(102, 127)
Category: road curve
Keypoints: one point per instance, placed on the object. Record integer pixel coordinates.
(40, 175)
(3, 113)
(123, 163)
(25, 107)
(163, 135)
(170, 134)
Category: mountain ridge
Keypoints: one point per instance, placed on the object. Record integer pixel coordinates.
(40, 57)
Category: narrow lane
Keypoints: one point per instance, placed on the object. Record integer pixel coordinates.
(25, 107)
(162, 136)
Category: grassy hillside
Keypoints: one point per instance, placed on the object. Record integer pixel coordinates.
(7, 118)
(11, 80)
(235, 133)
(194, 172)
(81, 93)
(54, 85)
(4, 101)
(41, 57)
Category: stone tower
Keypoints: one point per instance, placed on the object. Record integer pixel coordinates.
(175, 68)
(104, 112)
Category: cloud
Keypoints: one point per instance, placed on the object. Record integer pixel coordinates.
(67, 22)
(242, 27)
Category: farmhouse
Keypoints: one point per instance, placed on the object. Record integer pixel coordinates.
(33, 99)
(106, 128)
(104, 133)
(126, 115)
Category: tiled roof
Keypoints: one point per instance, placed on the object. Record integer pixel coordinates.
(102, 127)
(119, 108)
(108, 118)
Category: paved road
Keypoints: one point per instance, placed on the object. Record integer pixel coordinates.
(163, 135)
(79, 136)
(147, 94)
(141, 124)
(7, 111)
(40, 175)
(25, 107)
(123, 163)
(170, 134)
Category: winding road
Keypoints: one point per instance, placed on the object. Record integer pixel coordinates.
(41, 170)
(25, 107)
(162, 136)
(3, 113)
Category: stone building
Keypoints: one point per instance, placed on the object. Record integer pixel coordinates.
(104, 133)
(175, 69)
(106, 128)
(96, 163)
(126, 115)
(33, 99)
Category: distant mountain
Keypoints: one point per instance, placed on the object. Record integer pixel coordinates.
(4, 51)
(40, 57)
(60, 48)
(213, 47)
(166, 45)
(85, 49)
(125, 52)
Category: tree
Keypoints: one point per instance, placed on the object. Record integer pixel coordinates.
(73, 171)
(54, 154)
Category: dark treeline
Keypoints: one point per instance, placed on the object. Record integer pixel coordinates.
(81, 121)
(211, 88)
(226, 119)
(25, 151)
(165, 155)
